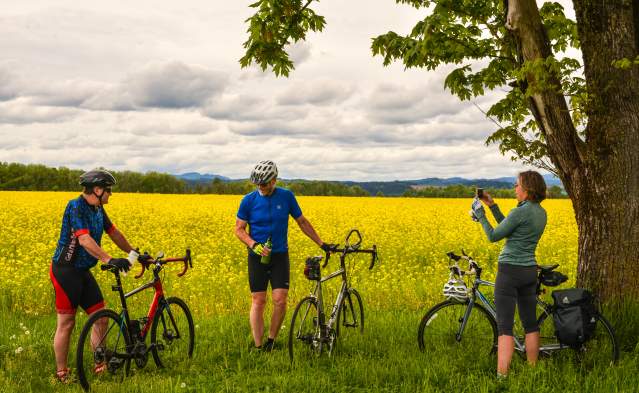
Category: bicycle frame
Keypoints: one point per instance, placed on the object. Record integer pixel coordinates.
(158, 301)
(317, 292)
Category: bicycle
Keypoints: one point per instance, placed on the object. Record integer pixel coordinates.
(467, 322)
(311, 329)
(109, 341)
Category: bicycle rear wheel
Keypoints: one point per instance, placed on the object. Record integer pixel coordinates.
(102, 349)
(172, 333)
(304, 339)
(601, 350)
(439, 330)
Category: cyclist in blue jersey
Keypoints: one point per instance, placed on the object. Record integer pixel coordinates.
(78, 250)
(266, 212)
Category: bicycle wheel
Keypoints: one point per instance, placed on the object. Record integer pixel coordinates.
(304, 334)
(102, 349)
(439, 330)
(172, 333)
(601, 350)
(351, 314)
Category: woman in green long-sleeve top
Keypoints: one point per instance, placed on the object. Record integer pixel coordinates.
(516, 280)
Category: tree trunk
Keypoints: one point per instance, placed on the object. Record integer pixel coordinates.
(607, 194)
(601, 174)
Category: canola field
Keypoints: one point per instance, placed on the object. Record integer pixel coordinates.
(412, 236)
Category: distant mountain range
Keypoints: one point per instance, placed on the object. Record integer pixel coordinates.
(397, 187)
(201, 178)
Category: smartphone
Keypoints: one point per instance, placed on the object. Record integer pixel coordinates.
(479, 193)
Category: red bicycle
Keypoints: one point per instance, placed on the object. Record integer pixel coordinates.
(109, 341)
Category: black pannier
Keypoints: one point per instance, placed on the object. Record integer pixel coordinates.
(575, 316)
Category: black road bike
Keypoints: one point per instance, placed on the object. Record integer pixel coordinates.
(110, 341)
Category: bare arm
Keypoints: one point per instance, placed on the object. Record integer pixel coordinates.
(308, 229)
(87, 242)
(120, 241)
(240, 232)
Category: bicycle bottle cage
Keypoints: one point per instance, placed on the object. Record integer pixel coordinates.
(312, 268)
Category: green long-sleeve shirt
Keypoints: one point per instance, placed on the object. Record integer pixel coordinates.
(522, 229)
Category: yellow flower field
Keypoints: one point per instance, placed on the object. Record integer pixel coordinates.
(412, 235)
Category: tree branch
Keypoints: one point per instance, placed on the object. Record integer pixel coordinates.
(548, 107)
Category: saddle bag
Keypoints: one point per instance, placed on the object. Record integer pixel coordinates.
(312, 268)
(575, 316)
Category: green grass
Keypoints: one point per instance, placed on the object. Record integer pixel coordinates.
(384, 359)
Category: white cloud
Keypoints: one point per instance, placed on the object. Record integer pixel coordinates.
(157, 79)
(174, 85)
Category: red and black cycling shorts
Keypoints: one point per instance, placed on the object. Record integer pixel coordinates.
(75, 287)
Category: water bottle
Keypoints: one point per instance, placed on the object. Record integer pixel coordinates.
(267, 259)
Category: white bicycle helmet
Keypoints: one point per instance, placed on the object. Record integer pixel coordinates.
(264, 172)
(455, 289)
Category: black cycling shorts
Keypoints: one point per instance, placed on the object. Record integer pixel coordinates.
(516, 285)
(75, 287)
(277, 272)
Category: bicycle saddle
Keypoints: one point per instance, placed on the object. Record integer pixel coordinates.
(547, 268)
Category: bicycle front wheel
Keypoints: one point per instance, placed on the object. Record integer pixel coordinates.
(102, 349)
(601, 350)
(304, 338)
(172, 333)
(441, 330)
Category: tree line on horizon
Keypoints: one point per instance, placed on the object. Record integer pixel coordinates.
(37, 177)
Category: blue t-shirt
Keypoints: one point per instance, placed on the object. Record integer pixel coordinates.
(81, 218)
(268, 216)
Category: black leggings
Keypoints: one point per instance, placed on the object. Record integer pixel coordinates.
(516, 285)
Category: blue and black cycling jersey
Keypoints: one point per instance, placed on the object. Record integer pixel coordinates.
(80, 218)
(267, 216)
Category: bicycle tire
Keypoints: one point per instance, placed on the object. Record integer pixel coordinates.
(87, 357)
(304, 332)
(474, 338)
(171, 347)
(601, 350)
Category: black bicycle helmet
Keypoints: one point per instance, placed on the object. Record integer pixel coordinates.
(264, 172)
(97, 177)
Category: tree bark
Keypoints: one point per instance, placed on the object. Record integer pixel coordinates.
(601, 174)
(607, 208)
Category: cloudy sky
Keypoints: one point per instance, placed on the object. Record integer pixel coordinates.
(156, 85)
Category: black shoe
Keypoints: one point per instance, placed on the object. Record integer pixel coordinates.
(268, 345)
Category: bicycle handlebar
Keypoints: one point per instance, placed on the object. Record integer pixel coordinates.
(353, 250)
(146, 260)
(472, 264)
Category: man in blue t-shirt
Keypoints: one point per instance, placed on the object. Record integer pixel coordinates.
(78, 250)
(266, 212)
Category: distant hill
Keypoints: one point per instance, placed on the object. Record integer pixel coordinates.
(196, 177)
(392, 188)
(398, 187)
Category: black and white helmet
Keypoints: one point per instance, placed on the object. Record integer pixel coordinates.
(456, 290)
(264, 172)
(97, 177)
